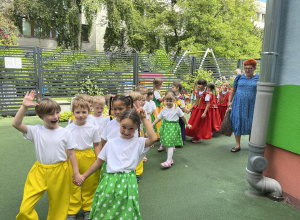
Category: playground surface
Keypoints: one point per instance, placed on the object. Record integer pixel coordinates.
(206, 181)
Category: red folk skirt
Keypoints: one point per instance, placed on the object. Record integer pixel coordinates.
(215, 119)
(201, 127)
(222, 111)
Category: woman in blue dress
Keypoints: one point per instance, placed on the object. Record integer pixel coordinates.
(242, 100)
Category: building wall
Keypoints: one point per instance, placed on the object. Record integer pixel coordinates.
(283, 148)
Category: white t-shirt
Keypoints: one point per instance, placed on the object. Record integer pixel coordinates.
(101, 122)
(112, 130)
(84, 135)
(123, 155)
(170, 114)
(157, 94)
(50, 144)
(207, 97)
(92, 120)
(151, 107)
(147, 117)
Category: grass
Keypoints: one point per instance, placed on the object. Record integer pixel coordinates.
(207, 181)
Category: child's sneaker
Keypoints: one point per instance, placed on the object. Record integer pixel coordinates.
(86, 215)
(71, 217)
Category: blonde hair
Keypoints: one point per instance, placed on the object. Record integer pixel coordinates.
(47, 106)
(80, 103)
(170, 95)
(136, 96)
(226, 83)
(99, 100)
(157, 82)
(142, 89)
(85, 97)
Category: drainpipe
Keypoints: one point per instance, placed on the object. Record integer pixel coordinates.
(265, 87)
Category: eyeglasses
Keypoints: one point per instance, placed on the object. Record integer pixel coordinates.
(248, 68)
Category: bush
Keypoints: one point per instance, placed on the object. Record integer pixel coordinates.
(65, 116)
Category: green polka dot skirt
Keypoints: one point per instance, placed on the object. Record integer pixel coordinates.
(103, 171)
(170, 133)
(116, 197)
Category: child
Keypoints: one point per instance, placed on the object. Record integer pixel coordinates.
(157, 98)
(88, 99)
(177, 88)
(86, 136)
(98, 105)
(223, 99)
(170, 134)
(52, 145)
(213, 109)
(118, 105)
(107, 100)
(117, 196)
(136, 97)
(151, 108)
(200, 119)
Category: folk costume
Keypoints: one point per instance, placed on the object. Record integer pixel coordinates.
(50, 172)
(181, 105)
(223, 103)
(214, 113)
(201, 127)
(170, 133)
(156, 96)
(82, 196)
(117, 194)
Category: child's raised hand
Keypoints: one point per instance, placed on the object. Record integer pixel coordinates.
(189, 126)
(29, 98)
(141, 112)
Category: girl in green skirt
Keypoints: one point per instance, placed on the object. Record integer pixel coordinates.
(169, 132)
(117, 194)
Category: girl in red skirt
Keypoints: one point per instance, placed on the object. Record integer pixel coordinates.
(213, 109)
(223, 99)
(200, 118)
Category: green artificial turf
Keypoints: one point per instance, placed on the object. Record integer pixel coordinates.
(207, 181)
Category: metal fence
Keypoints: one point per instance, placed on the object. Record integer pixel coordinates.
(62, 73)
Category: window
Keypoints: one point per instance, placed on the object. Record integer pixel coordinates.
(263, 17)
(35, 29)
(84, 33)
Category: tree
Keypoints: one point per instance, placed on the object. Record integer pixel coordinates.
(227, 26)
(8, 31)
(62, 15)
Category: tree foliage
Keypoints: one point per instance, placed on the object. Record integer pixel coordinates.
(227, 26)
(62, 15)
(8, 31)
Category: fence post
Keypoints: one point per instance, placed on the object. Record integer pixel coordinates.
(136, 70)
(39, 73)
(193, 67)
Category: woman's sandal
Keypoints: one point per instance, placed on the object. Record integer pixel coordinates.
(166, 164)
(235, 149)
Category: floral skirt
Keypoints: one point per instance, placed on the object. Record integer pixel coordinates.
(170, 133)
(116, 197)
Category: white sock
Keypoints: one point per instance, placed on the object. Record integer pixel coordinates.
(170, 154)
